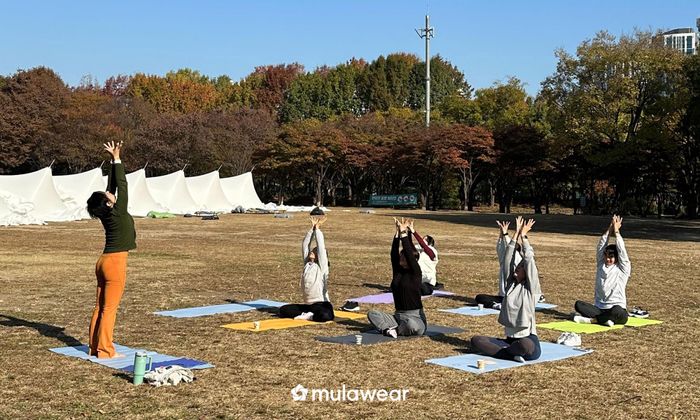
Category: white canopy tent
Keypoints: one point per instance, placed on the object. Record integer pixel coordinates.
(39, 189)
(240, 191)
(140, 199)
(171, 191)
(78, 187)
(207, 192)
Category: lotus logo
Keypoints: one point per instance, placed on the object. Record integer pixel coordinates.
(299, 393)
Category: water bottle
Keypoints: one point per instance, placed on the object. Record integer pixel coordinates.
(140, 361)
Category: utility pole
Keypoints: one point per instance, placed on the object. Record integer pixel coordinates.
(426, 33)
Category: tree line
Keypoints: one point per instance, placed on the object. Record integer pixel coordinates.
(615, 127)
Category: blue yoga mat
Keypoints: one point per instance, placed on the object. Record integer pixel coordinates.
(221, 309)
(467, 362)
(127, 363)
(474, 310)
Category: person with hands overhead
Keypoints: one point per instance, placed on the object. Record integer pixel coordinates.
(612, 273)
(428, 260)
(408, 318)
(494, 301)
(522, 289)
(120, 237)
(314, 278)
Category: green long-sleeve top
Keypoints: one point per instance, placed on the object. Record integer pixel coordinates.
(120, 234)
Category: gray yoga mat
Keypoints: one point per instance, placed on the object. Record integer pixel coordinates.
(374, 337)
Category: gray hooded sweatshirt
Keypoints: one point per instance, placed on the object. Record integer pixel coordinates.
(518, 308)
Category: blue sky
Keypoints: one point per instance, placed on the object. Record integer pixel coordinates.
(487, 40)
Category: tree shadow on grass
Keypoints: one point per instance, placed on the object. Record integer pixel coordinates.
(44, 329)
(633, 227)
(382, 287)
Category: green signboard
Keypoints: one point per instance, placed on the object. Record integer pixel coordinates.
(394, 200)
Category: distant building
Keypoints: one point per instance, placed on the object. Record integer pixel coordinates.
(685, 40)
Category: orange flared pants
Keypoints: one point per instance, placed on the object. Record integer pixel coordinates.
(110, 271)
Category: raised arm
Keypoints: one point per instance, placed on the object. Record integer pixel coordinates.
(111, 179)
(623, 259)
(409, 253)
(503, 240)
(533, 275)
(428, 251)
(305, 244)
(602, 243)
(118, 178)
(322, 254)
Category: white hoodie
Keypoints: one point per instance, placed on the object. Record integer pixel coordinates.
(610, 282)
(314, 278)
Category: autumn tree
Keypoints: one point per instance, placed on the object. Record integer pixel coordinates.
(32, 104)
(468, 150)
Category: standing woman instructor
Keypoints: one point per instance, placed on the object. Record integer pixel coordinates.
(110, 270)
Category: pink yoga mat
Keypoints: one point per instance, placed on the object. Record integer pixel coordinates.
(389, 298)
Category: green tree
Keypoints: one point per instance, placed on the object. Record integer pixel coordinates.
(445, 80)
(610, 92)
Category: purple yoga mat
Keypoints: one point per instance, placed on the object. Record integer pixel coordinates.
(389, 298)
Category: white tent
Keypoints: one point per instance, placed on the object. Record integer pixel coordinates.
(140, 199)
(77, 188)
(38, 188)
(240, 191)
(207, 192)
(15, 211)
(171, 191)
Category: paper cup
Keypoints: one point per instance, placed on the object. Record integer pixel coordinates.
(480, 306)
(481, 364)
(256, 325)
(358, 339)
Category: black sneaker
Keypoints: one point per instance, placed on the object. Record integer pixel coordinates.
(350, 306)
(439, 286)
(638, 312)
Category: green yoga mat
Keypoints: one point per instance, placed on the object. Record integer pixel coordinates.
(160, 215)
(571, 326)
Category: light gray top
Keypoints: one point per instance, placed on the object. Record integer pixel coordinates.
(314, 278)
(518, 307)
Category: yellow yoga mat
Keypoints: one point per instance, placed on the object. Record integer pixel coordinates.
(284, 323)
(571, 326)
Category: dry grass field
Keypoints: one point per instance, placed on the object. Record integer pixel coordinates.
(47, 290)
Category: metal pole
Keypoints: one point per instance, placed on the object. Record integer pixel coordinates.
(427, 70)
(426, 33)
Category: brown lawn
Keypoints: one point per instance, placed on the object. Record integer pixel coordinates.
(47, 282)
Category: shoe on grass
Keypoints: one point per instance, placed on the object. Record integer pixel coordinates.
(350, 306)
(638, 312)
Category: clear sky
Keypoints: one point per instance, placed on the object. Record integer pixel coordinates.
(487, 40)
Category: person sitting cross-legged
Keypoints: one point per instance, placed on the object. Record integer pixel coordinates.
(522, 287)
